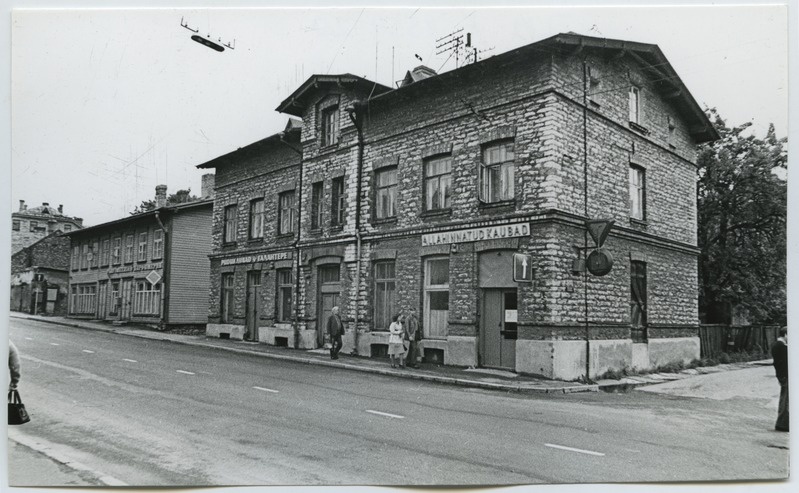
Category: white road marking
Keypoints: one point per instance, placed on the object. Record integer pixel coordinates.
(185, 372)
(129, 360)
(54, 344)
(87, 351)
(266, 390)
(385, 414)
(29, 338)
(570, 449)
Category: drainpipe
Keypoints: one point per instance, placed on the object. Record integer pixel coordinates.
(585, 206)
(357, 120)
(164, 291)
(296, 246)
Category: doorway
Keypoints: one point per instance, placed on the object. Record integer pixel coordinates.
(102, 300)
(498, 328)
(126, 299)
(253, 304)
(329, 278)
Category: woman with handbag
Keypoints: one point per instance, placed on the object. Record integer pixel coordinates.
(13, 365)
(17, 414)
(396, 348)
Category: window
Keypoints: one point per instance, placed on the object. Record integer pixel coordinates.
(116, 301)
(286, 212)
(158, 244)
(147, 298)
(437, 181)
(436, 297)
(84, 299)
(256, 219)
(84, 258)
(638, 305)
(337, 202)
(15, 225)
(142, 257)
(497, 172)
(67, 227)
(94, 254)
(317, 189)
(385, 288)
(117, 251)
(76, 257)
(227, 298)
(637, 193)
(105, 253)
(635, 104)
(231, 224)
(386, 193)
(330, 126)
(129, 249)
(34, 226)
(284, 289)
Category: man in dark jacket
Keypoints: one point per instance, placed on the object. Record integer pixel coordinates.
(413, 336)
(779, 351)
(336, 330)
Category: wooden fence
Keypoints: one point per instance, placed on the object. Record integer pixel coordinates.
(719, 338)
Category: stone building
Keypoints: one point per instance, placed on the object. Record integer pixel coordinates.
(417, 198)
(31, 225)
(149, 268)
(40, 275)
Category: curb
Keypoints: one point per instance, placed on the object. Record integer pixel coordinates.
(49, 450)
(462, 382)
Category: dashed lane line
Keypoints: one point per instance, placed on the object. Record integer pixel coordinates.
(267, 390)
(184, 372)
(129, 360)
(87, 351)
(388, 415)
(578, 450)
(29, 338)
(54, 344)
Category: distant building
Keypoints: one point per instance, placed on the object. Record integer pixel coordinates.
(40, 275)
(420, 197)
(31, 225)
(150, 268)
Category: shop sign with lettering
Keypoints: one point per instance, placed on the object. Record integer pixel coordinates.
(477, 234)
(134, 268)
(262, 257)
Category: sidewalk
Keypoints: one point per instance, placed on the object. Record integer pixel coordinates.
(470, 377)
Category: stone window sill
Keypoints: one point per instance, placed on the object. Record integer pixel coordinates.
(437, 212)
(337, 228)
(283, 236)
(386, 220)
(639, 222)
(255, 241)
(639, 128)
(503, 204)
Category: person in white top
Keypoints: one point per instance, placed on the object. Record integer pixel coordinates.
(396, 348)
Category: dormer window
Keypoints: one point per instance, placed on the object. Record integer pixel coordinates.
(635, 105)
(330, 126)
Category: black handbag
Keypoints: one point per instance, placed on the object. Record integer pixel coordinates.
(17, 414)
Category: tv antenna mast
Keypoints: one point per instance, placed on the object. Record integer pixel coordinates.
(455, 44)
(217, 45)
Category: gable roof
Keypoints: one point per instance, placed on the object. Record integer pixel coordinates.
(170, 209)
(290, 136)
(299, 99)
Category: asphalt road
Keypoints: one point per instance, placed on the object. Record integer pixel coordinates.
(154, 413)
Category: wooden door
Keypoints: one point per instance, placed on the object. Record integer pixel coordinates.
(127, 299)
(102, 300)
(498, 329)
(329, 277)
(253, 305)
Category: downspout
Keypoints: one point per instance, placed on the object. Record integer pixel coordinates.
(164, 291)
(296, 248)
(358, 122)
(585, 206)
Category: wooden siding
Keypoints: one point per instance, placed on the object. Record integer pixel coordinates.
(189, 268)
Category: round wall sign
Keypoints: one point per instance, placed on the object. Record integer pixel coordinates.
(599, 262)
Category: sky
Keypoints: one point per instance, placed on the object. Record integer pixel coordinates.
(107, 104)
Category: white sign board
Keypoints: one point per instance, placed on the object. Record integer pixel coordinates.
(477, 234)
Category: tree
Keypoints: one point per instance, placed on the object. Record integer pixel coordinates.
(179, 197)
(742, 204)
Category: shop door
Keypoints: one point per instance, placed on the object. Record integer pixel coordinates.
(102, 300)
(253, 305)
(329, 290)
(127, 299)
(498, 328)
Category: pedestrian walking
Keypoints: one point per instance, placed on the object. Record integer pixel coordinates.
(336, 330)
(779, 351)
(13, 365)
(396, 349)
(413, 335)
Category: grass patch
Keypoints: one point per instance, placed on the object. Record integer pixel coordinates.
(723, 358)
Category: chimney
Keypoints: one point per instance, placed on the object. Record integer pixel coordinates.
(160, 196)
(21, 205)
(207, 189)
(45, 204)
(60, 208)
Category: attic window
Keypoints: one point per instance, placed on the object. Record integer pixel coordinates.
(330, 126)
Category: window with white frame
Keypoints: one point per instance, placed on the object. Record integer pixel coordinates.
(285, 286)
(386, 193)
(286, 218)
(497, 172)
(84, 257)
(637, 193)
(635, 104)
(116, 252)
(147, 298)
(385, 294)
(142, 252)
(330, 126)
(158, 244)
(76, 257)
(83, 299)
(256, 219)
(230, 226)
(337, 201)
(436, 297)
(129, 239)
(226, 298)
(317, 192)
(105, 253)
(437, 182)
